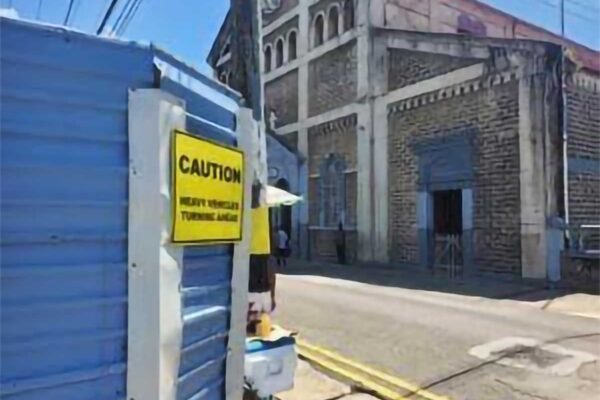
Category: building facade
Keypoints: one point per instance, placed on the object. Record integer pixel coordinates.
(415, 137)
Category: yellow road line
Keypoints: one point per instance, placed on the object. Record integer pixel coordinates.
(321, 355)
(356, 378)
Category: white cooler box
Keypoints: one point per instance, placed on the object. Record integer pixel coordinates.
(270, 366)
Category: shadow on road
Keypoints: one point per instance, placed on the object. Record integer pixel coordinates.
(494, 286)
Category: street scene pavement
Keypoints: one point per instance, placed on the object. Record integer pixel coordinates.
(432, 332)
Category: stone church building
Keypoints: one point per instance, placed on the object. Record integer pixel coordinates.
(425, 129)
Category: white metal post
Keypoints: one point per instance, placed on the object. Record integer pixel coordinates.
(247, 135)
(154, 301)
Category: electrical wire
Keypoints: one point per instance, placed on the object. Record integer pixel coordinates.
(76, 8)
(580, 3)
(124, 11)
(66, 21)
(107, 15)
(568, 11)
(127, 20)
(99, 14)
(38, 13)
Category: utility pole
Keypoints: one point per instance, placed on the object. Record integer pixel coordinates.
(562, 18)
(245, 45)
(245, 52)
(564, 127)
(246, 78)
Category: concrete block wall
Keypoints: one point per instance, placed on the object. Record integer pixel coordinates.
(281, 97)
(583, 127)
(323, 248)
(337, 136)
(280, 32)
(332, 79)
(292, 140)
(408, 67)
(443, 16)
(269, 17)
(493, 112)
(321, 6)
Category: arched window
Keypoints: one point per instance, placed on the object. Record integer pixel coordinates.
(223, 77)
(226, 49)
(279, 53)
(332, 191)
(318, 30)
(268, 58)
(348, 15)
(333, 22)
(292, 51)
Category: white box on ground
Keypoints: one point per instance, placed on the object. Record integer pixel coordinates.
(270, 366)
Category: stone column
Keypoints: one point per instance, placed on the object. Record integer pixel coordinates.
(532, 178)
(303, 48)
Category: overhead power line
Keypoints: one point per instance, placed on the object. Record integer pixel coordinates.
(128, 18)
(124, 11)
(575, 3)
(568, 11)
(107, 15)
(100, 13)
(38, 13)
(75, 9)
(66, 21)
(582, 4)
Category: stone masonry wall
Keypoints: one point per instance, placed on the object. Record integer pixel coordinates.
(493, 112)
(292, 140)
(286, 5)
(281, 96)
(322, 5)
(339, 137)
(583, 124)
(281, 31)
(322, 245)
(332, 79)
(408, 67)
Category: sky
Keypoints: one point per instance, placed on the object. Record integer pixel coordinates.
(186, 28)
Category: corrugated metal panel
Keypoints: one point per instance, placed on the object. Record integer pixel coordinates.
(64, 163)
(206, 279)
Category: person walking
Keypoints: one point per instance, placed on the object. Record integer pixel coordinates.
(283, 247)
(340, 244)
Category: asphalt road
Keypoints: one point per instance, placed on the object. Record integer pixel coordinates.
(425, 336)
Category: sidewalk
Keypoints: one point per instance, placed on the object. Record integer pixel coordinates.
(311, 384)
(492, 286)
(581, 304)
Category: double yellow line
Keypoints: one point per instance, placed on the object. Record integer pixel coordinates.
(379, 383)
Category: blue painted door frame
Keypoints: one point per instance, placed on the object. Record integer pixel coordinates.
(445, 163)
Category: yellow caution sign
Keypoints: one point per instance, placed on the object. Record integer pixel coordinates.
(208, 191)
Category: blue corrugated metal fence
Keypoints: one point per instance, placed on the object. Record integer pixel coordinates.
(64, 215)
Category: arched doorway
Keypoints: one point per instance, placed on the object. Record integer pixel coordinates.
(282, 216)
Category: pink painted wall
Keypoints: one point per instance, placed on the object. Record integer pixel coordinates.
(443, 16)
